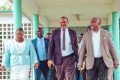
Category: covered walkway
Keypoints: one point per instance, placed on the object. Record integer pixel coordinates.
(48, 12)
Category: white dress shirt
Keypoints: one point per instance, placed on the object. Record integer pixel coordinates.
(68, 45)
(80, 45)
(96, 44)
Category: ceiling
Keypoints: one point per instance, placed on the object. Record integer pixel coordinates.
(7, 18)
(79, 12)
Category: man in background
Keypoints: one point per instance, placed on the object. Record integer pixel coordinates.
(41, 47)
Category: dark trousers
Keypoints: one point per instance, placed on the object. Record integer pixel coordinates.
(99, 70)
(43, 68)
(66, 70)
(79, 75)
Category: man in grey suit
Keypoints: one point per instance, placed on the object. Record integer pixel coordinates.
(63, 51)
(99, 51)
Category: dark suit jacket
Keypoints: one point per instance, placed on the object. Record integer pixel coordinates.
(34, 41)
(54, 52)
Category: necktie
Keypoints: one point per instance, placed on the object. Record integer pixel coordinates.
(64, 39)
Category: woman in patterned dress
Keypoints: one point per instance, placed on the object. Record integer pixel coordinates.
(19, 57)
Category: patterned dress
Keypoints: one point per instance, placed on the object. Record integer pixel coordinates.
(19, 53)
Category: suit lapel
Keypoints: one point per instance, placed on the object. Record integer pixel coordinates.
(90, 33)
(59, 36)
(45, 43)
(71, 35)
(102, 40)
(35, 43)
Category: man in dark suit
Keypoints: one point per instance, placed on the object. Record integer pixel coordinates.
(63, 51)
(41, 47)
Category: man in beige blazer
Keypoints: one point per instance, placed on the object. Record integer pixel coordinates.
(100, 54)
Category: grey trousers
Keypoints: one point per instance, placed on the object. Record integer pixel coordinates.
(99, 70)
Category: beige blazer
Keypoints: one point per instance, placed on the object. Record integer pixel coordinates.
(106, 46)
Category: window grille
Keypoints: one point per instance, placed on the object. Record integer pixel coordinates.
(6, 33)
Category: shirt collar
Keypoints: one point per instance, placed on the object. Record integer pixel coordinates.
(96, 32)
(66, 29)
(40, 38)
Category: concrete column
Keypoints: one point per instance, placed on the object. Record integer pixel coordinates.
(35, 24)
(115, 26)
(17, 14)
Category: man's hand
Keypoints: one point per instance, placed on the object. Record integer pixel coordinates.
(50, 62)
(36, 65)
(115, 63)
(80, 67)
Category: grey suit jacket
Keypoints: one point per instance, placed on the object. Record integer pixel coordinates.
(106, 46)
